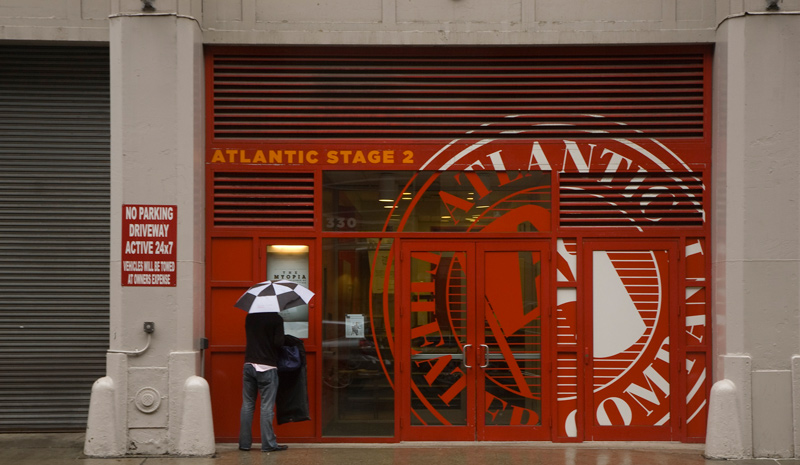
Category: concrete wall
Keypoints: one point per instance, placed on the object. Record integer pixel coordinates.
(363, 22)
(157, 146)
(455, 22)
(57, 20)
(387, 21)
(756, 175)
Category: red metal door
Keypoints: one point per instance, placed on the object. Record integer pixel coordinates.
(633, 316)
(473, 345)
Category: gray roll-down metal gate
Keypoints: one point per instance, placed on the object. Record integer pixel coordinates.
(54, 233)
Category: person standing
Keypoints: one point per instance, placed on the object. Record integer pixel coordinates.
(265, 336)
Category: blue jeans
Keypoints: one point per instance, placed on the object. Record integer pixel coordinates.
(254, 383)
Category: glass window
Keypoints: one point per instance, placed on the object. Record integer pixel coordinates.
(434, 201)
(359, 200)
(290, 262)
(357, 364)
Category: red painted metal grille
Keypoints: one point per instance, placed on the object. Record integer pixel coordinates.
(272, 200)
(455, 93)
(641, 200)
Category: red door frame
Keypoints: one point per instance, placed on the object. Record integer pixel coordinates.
(403, 394)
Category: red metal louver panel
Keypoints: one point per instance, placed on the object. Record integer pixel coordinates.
(455, 93)
(642, 200)
(271, 200)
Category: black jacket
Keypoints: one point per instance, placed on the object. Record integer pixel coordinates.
(291, 403)
(264, 337)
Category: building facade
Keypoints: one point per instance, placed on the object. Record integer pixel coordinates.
(530, 220)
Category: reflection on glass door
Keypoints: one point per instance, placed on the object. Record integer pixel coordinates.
(475, 341)
(512, 340)
(357, 388)
(439, 335)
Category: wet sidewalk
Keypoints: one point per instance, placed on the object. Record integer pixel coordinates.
(58, 449)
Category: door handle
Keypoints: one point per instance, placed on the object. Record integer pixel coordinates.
(464, 355)
(485, 356)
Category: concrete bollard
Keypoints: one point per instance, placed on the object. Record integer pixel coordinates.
(197, 424)
(724, 433)
(101, 440)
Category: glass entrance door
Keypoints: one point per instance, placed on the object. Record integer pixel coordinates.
(474, 346)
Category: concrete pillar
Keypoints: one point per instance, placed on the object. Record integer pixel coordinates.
(755, 223)
(152, 387)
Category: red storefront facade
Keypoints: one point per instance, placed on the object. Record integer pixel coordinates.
(504, 243)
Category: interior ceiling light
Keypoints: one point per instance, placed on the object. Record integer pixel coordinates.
(287, 248)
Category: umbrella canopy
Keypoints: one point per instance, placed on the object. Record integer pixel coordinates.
(273, 296)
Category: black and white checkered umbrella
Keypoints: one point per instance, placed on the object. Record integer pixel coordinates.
(273, 296)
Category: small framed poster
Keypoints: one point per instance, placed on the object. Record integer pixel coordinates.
(354, 326)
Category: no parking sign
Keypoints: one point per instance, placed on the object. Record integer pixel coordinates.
(149, 245)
